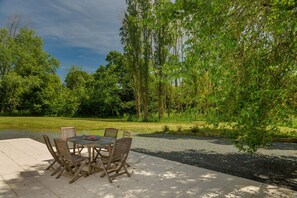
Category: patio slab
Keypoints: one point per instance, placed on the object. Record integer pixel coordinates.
(22, 174)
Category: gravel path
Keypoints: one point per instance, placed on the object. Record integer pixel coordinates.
(276, 165)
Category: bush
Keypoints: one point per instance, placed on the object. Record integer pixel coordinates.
(195, 129)
(179, 128)
(165, 128)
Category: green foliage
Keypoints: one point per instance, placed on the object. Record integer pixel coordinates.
(237, 65)
(76, 78)
(229, 62)
(66, 103)
(7, 52)
(26, 71)
(251, 67)
(11, 91)
(109, 91)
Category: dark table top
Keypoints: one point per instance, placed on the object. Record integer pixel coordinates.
(92, 140)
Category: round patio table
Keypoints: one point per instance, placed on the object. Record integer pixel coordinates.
(91, 141)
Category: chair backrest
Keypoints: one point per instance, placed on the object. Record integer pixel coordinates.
(111, 132)
(121, 149)
(126, 134)
(67, 132)
(63, 149)
(50, 148)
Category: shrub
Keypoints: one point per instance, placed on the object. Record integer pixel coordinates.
(179, 128)
(165, 128)
(195, 129)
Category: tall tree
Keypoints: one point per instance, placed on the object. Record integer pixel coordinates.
(136, 37)
(131, 37)
(145, 14)
(163, 41)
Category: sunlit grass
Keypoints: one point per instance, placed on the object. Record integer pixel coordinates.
(53, 124)
(96, 126)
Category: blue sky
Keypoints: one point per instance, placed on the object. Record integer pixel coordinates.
(76, 32)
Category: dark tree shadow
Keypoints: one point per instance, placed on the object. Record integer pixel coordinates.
(283, 146)
(12, 134)
(215, 140)
(275, 170)
(172, 136)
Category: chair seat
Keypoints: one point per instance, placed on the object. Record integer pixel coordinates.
(77, 158)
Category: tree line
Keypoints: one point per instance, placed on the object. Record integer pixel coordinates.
(29, 83)
(231, 62)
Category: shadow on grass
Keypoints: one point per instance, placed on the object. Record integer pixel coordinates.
(213, 140)
(12, 134)
(275, 170)
(96, 119)
(173, 136)
(283, 146)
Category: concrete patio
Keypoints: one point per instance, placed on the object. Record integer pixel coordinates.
(22, 174)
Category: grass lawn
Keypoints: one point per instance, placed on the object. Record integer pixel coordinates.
(92, 125)
(97, 125)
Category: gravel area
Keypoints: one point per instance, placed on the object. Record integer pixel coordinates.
(276, 165)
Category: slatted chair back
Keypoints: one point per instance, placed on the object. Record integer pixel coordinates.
(126, 134)
(121, 149)
(111, 132)
(63, 149)
(67, 132)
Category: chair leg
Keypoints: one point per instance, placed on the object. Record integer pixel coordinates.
(56, 171)
(78, 171)
(59, 175)
(97, 154)
(80, 149)
(118, 171)
(126, 171)
(51, 165)
(105, 170)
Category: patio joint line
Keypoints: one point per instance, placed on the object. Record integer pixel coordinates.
(9, 186)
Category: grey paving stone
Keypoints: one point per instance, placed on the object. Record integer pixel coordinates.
(22, 174)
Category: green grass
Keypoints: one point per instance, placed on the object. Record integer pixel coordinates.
(93, 125)
(96, 126)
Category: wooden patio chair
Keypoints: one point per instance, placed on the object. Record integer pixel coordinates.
(111, 132)
(71, 162)
(68, 132)
(126, 134)
(108, 132)
(116, 161)
(54, 155)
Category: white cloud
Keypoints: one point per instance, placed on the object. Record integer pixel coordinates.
(92, 24)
